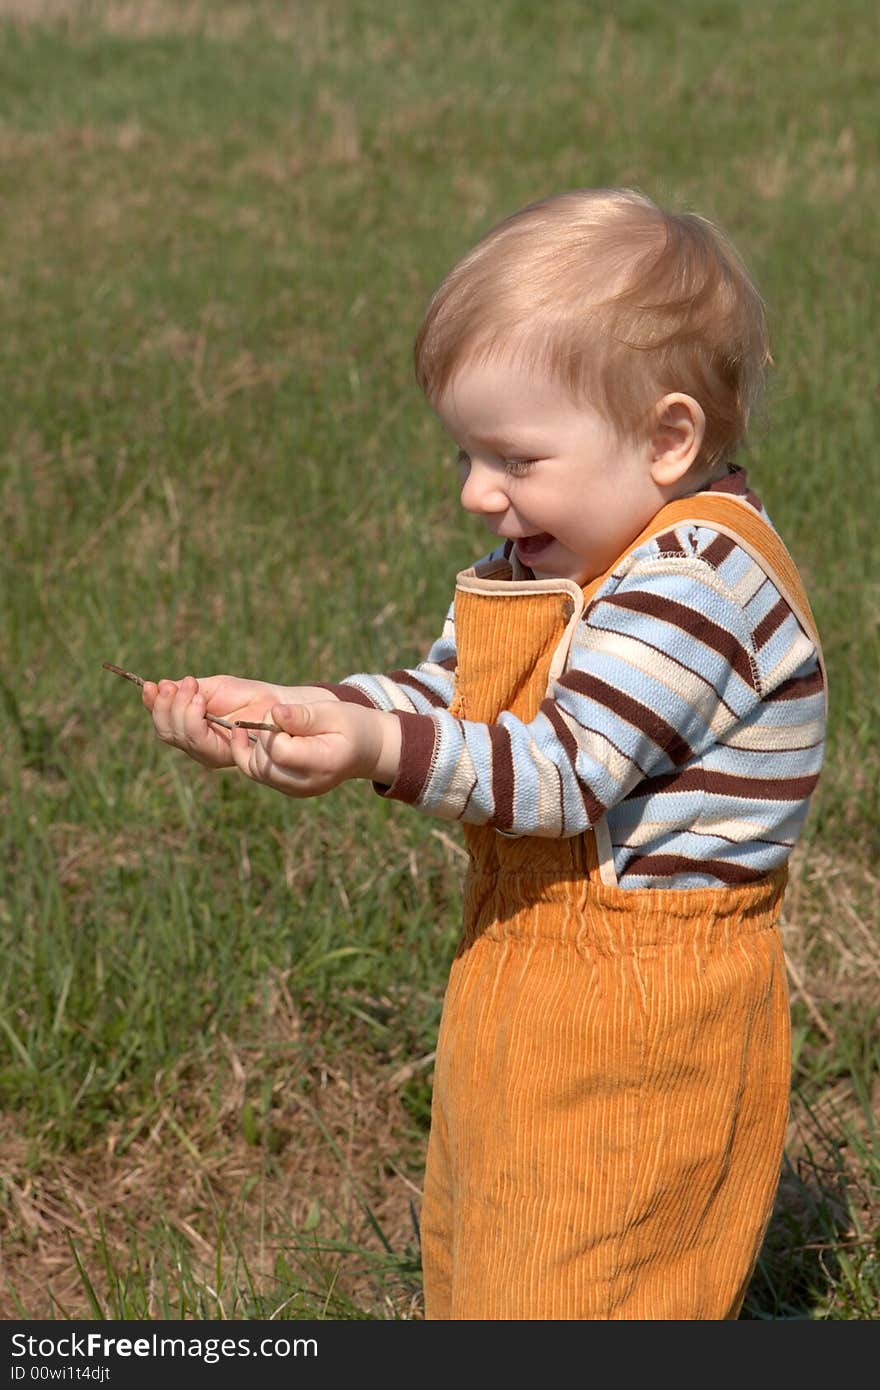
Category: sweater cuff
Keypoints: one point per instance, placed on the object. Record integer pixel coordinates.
(349, 694)
(419, 734)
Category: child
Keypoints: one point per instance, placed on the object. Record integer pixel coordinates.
(626, 712)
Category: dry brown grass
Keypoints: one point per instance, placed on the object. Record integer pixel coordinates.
(829, 929)
(331, 1136)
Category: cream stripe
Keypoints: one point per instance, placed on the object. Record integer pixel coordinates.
(748, 584)
(549, 804)
(605, 853)
(776, 736)
(395, 694)
(739, 831)
(431, 668)
(801, 649)
(460, 783)
(688, 685)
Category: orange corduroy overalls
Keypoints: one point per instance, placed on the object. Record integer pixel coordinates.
(613, 1066)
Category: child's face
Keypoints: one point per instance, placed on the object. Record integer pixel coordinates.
(547, 471)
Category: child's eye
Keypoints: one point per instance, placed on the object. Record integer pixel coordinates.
(518, 467)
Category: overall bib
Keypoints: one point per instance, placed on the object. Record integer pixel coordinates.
(613, 1066)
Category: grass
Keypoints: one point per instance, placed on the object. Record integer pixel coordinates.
(220, 225)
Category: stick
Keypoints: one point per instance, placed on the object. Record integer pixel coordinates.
(118, 671)
(211, 718)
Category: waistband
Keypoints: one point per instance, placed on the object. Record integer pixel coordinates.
(504, 905)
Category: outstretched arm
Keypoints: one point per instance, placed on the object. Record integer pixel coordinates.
(179, 706)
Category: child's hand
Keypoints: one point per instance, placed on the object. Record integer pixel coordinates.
(323, 743)
(179, 708)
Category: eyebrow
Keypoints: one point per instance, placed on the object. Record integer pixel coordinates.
(503, 445)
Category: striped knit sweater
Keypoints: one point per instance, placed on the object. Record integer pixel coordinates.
(690, 714)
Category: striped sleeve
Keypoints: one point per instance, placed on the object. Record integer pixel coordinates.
(665, 667)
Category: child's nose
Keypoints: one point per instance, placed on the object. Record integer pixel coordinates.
(481, 491)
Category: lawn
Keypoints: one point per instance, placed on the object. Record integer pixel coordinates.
(219, 226)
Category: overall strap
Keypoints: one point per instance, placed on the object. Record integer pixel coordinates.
(737, 519)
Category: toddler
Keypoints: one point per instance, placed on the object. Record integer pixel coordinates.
(626, 712)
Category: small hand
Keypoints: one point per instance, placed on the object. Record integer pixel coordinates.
(179, 709)
(322, 744)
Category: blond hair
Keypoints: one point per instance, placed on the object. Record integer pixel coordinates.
(618, 299)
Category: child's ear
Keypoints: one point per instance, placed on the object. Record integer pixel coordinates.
(679, 427)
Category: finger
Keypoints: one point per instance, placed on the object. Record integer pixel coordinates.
(165, 692)
(261, 764)
(208, 684)
(288, 754)
(280, 761)
(196, 729)
(274, 754)
(242, 750)
(181, 720)
(293, 719)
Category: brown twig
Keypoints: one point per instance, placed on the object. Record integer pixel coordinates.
(118, 671)
(211, 718)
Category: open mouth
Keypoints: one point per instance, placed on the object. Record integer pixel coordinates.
(530, 547)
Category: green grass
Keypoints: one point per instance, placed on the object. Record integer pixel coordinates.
(220, 224)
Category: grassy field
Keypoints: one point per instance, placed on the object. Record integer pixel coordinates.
(219, 224)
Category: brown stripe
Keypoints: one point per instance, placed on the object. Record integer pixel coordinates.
(418, 739)
(492, 569)
(736, 484)
(697, 675)
(797, 687)
(733, 481)
(693, 623)
(717, 551)
(692, 781)
(448, 663)
(407, 680)
(349, 693)
(761, 788)
(667, 865)
(550, 705)
(669, 544)
(502, 776)
(594, 808)
(563, 732)
(727, 784)
(645, 720)
(771, 622)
